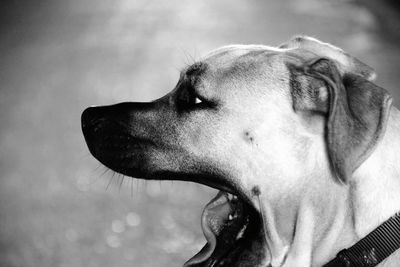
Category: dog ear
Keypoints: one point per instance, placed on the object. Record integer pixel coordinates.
(346, 63)
(356, 111)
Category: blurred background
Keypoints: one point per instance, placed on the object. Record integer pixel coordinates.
(58, 206)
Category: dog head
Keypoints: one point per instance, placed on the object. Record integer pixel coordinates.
(249, 120)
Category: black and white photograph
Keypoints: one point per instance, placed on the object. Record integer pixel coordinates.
(220, 133)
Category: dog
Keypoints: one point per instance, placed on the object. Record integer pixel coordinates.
(303, 146)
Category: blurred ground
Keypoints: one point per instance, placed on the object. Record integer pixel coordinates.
(59, 57)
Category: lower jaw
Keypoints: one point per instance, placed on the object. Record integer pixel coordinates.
(248, 250)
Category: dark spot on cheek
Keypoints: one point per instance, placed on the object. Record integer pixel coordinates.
(256, 191)
(248, 136)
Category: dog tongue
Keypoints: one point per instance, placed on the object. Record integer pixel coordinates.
(217, 217)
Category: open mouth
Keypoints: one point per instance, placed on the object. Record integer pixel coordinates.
(231, 228)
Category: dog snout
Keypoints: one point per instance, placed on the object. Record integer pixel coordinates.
(128, 119)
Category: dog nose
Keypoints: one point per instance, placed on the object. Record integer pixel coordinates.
(87, 116)
(94, 114)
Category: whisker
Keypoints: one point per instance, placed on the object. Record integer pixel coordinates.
(117, 182)
(184, 52)
(104, 172)
(98, 166)
(93, 177)
(131, 187)
(121, 183)
(192, 59)
(110, 181)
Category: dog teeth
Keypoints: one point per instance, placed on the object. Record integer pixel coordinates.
(241, 232)
(231, 197)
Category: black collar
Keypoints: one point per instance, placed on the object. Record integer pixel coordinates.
(372, 249)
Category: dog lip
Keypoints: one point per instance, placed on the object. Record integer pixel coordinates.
(225, 223)
(117, 155)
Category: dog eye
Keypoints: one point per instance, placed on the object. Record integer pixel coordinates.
(188, 100)
(192, 98)
(197, 100)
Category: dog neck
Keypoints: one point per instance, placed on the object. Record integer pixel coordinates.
(375, 185)
(306, 231)
(311, 231)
